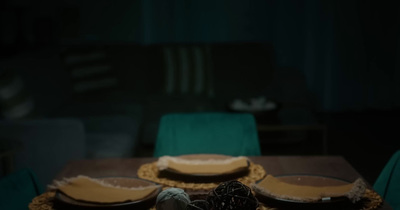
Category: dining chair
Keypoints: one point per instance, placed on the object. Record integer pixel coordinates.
(44, 145)
(18, 189)
(388, 182)
(208, 133)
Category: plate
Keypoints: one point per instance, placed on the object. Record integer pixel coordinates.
(63, 201)
(308, 180)
(204, 178)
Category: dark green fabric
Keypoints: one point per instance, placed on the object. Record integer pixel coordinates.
(18, 189)
(388, 182)
(212, 133)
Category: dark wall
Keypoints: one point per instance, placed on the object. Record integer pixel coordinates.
(347, 50)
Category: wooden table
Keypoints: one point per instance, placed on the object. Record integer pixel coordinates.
(334, 166)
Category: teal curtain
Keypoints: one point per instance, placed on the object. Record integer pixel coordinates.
(347, 50)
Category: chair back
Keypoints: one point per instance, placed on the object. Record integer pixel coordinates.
(388, 182)
(18, 189)
(208, 133)
(44, 145)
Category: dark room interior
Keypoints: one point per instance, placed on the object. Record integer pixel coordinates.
(326, 74)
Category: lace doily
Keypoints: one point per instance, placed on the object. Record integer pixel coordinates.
(43, 201)
(150, 172)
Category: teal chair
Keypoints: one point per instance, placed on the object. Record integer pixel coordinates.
(18, 189)
(388, 182)
(211, 133)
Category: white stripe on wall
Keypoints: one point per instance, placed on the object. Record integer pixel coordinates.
(184, 67)
(169, 63)
(198, 70)
(89, 71)
(210, 88)
(73, 59)
(12, 89)
(95, 84)
(19, 110)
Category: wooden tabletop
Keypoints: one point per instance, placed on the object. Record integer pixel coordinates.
(333, 166)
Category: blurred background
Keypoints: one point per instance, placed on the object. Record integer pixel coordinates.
(321, 77)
